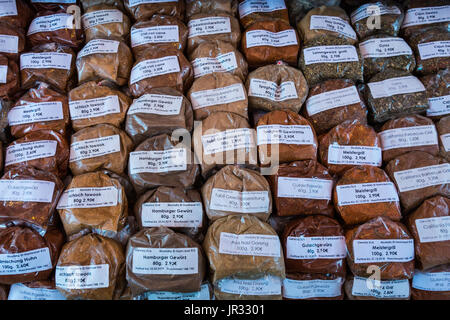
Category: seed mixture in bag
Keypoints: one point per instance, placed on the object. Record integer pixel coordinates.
(251, 11)
(207, 6)
(360, 288)
(17, 13)
(438, 93)
(313, 286)
(12, 41)
(431, 284)
(443, 128)
(9, 77)
(144, 10)
(104, 21)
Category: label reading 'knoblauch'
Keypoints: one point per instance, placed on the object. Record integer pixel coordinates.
(91, 148)
(418, 178)
(300, 248)
(242, 202)
(28, 151)
(25, 262)
(354, 155)
(92, 108)
(360, 193)
(389, 250)
(82, 277)
(89, 198)
(305, 289)
(36, 112)
(249, 244)
(158, 161)
(160, 104)
(165, 261)
(305, 188)
(172, 214)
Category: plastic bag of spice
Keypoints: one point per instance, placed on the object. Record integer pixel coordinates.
(159, 31)
(363, 193)
(438, 93)
(161, 67)
(4, 289)
(205, 293)
(22, 243)
(9, 77)
(102, 146)
(35, 290)
(51, 63)
(380, 243)
(91, 267)
(418, 176)
(16, 13)
(251, 11)
(443, 128)
(410, 133)
(12, 41)
(349, 144)
(268, 41)
(432, 284)
(144, 10)
(94, 103)
(172, 207)
(125, 183)
(160, 259)
(40, 108)
(285, 136)
(105, 22)
(394, 93)
(90, 3)
(28, 196)
(236, 191)
(5, 106)
(369, 18)
(45, 150)
(276, 86)
(332, 102)
(93, 202)
(194, 7)
(359, 288)
(52, 5)
(313, 286)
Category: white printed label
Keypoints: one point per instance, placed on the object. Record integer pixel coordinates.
(154, 67)
(250, 6)
(133, 3)
(28, 151)
(92, 148)
(157, 34)
(45, 60)
(360, 193)
(438, 106)
(92, 19)
(8, 8)
(354, 155)
(435, 49)
(257, 38)
(203, 294)
(172, 214)
(445, 138)
(51, 23)
(408, 137)
(363, 287)
(26, 190)
(3, 74)
(208, 26)
(433, 229)
(384, 47)
(228, 140)
(305, 188)
(158, 161)
(249, 244)
(373, 10)
(88, 198)
(423, 177)
(222, 63)
(389, 250)
(432, 281)
(332, 99)
(242, 202)
(426, 15)
(330, 54)
(9, 44)
(99, 46)
(266, 286)
(212, 97)
(157, 104)
(36, 112)
(300, 248)
(270, 90)
(54, 1)
(25, 262)
(334, 24)
(92, 108)
(170, 261)
(19, 291)
(305, 289)
(82, 277)
(285, 134)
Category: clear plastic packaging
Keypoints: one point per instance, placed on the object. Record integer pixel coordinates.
(438, 93)
(251, 11)
(432, 284)
(104, 21)
(144, 10)
(20, 17)
(10, 84)
(194, 7)
(11, 31)
(358, 288)
(443, 128)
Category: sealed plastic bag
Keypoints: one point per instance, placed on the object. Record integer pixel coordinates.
(438, 93)
(105, 22)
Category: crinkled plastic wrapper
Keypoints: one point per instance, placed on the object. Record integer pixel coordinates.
(217, 87)
(435, 293)
(114, 66)
(5, 106)
(178, 76)
(238, 266)
(189, 224)
(283, 76)
(408, 122)
(379, 228)
(261, 55)
(335, 110)
(298, 8)
(430, 251)
(274, 153)
(90, 3)
(215, 146)
(207, 6)
(145, 120)
(147, 9)
(353, 214)
(38, 215)
(418, 191)
(126, 184)
(60, 78)
(233, 180)
(19, 240)
(105, 220)
(39, 94)
(10, 30)
(92, 250)
(180, 171)
(313, 226)
(236, 288)
(55, 163)
(144, 276)
(22, 17)
(12, 84)
(205, 293)
(114, 29)
(141, 43)
(438, 87)
(293, 206)
(443, 128)
(53, 5)
(35, 290)
(252, 17)
(375, 294)
(348, 133)
(316, 277)
(96, 92)
(115, 161)
(218, 56)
